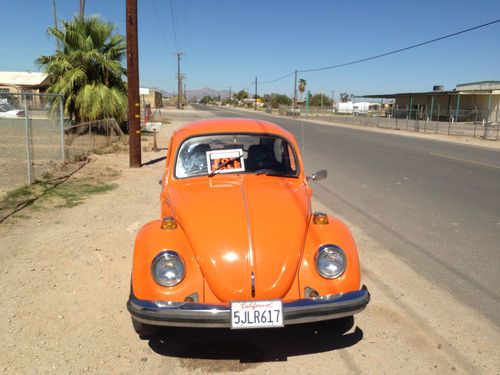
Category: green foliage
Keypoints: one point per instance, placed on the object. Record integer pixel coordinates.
(207, 100)
(317, 99)
(275, 100)
(302, 85)
(87, 69)
(240, 95)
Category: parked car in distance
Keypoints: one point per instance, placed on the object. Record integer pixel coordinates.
(237, 244)
(7, 111)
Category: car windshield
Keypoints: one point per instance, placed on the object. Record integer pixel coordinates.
(236, 153)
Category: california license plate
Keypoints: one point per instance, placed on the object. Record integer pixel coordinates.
(256, 314)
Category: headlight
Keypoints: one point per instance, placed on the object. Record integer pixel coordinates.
(330, 261)
(168, 268)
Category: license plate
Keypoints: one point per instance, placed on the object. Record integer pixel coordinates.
(256, 314)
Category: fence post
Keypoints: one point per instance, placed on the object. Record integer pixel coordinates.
(449, 119)
(437, 122)
(29, 156)
(61, 123)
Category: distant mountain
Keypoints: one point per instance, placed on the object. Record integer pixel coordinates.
(192, 94)
(200, 93)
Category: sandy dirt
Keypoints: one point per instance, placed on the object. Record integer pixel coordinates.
(65, 273)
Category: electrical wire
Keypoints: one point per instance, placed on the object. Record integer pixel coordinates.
(174, 26)
(398, 50)
(158, 20)
(277, 79)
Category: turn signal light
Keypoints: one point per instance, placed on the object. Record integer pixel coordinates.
(320, 218)
(168, 223)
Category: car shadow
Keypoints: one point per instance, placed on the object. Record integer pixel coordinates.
(154, 161)
(257, 345)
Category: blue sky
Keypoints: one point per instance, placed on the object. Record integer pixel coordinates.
(229, 42)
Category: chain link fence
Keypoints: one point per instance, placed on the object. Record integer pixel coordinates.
(484, 124)
(35, 137)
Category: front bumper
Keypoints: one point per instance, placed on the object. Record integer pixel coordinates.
(181, 314)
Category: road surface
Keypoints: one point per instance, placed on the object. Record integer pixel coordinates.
(433, 204)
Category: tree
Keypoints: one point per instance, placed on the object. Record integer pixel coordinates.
(242, 94)
(345, 97)
(275, 100)
(87, 69)
(206, 100)
(318, 99)
(302, 86)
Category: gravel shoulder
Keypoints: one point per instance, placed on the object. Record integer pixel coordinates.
(65, 273)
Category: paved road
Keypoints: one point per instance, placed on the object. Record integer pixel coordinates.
(435, 205)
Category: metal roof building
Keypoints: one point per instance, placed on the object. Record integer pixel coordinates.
(461, 104)
(24, 82)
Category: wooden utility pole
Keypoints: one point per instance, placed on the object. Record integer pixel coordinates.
(54, 14)
(255, 96)
(295, 91)
(134, 105)
(179, 80)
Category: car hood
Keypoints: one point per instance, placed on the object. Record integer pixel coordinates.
(243, 227)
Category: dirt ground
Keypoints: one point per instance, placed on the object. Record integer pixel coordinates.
(65, 273)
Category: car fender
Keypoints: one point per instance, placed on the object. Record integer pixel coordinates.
(152, 240)
(334, 233)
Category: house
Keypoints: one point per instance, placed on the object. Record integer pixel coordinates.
(23, 82)
(467, 102)
(151, 97)
(30, 82)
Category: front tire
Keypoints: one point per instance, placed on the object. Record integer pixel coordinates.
(143, 330)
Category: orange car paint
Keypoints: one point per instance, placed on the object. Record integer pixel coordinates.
(231, 225)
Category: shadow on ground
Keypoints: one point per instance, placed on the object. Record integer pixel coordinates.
(255, 346)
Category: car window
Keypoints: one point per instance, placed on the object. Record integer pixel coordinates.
(236, 153)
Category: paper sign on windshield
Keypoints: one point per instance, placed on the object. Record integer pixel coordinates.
(225, 161)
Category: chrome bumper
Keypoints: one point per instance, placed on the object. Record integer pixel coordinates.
(181, 314)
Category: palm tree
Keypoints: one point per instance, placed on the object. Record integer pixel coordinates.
(302, 87)
(87, 69)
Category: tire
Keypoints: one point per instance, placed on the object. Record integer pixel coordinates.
(143, 330)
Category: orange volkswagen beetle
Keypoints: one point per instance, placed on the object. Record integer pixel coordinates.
(238, 245)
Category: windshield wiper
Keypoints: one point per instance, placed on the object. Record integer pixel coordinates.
(270, 172)
(211, 174)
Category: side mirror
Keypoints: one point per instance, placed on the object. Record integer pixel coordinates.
(319, 175)
(160, 182)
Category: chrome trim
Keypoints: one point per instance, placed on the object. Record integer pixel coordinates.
(181, 314)
(253, 285)
(164, 254)
(323, 248)
(247, 215)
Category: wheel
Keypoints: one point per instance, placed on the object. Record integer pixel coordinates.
(142, 329)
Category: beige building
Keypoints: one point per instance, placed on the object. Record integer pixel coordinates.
(30, 82)
(467, 102)
(151, 97)
(23, 82)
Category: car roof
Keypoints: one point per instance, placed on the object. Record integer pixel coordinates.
(230, 125)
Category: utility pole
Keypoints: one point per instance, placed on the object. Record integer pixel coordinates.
(179, 80)
(230, 97)
(255, 96)
(82, 9)
(295, 90)
(54, 14)
(134, 105)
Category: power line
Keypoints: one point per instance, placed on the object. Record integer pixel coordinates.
(277, 79)
(399, 50)
(172, 13)
(159, 22)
